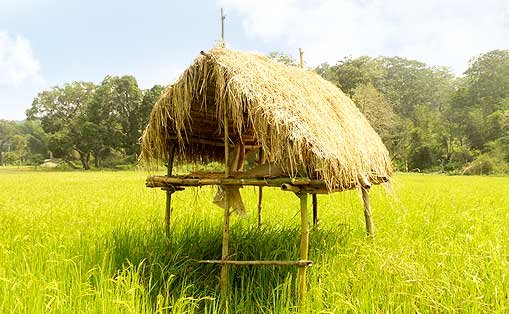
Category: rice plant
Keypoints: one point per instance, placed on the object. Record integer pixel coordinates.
(94, 242)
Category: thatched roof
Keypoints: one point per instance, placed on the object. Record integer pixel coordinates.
(305, 124)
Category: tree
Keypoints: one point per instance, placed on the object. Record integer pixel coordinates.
(480, 103)
(282, 58)
(150, 97)
(488, 80)
(418, 98)
(377, 109)
(351, 73)
(37, 141)
(19, 152)
(115, 112)
(408, 83)
(326, 71)
(7, 133)
(62, 112)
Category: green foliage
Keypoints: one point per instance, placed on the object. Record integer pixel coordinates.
(116, 116)
(62, 112)
(379, 112)
(22, 143)
(482, 165)
(441, 122)
(150, 97)
(350, 73)
(37, 141)
(282, 58)
(96, 123)
(7, 132)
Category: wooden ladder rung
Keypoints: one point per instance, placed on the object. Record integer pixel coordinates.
(300, 263)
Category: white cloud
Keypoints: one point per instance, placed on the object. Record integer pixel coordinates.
(18, 65)
(439, 32)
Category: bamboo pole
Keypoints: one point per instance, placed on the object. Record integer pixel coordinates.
(291, 188)
(222, 24)
(370, 227)
(260, 196)
(226, 146)
(260, 190)
(167, 218)
(223, 284)
(315, 209)
(259, 263)
(159, 181)
(306, 185)
(304, 244)
(301, 53)
(190, 139)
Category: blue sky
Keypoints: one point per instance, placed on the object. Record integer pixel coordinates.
(44, 43)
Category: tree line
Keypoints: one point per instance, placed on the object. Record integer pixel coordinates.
(429, 119)
(81, 124)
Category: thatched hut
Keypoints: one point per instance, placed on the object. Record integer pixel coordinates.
(310, 136)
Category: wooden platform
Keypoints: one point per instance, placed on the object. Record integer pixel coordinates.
(296, 184)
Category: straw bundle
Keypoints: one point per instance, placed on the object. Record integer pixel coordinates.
(303, 123)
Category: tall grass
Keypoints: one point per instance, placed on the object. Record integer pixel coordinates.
(94, 243)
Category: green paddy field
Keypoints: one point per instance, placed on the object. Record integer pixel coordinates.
(94, 242)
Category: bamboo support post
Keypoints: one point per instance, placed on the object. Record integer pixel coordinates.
(223, 284)
(370, 227)
(301, 60)
(260, 190)
(304, 244)
(222, 24)
(260, 196)
(169, 166)
(315, 209)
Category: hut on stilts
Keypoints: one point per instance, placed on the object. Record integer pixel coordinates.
(309, 138)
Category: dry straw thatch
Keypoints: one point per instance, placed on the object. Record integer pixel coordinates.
(303, 123)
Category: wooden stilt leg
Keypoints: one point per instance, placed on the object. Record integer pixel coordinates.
(223, 281)
(260, 195)
(225, 246)
(315, 210)
(260, 190)
(370, 227)
(167, 218)
(304, 244)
